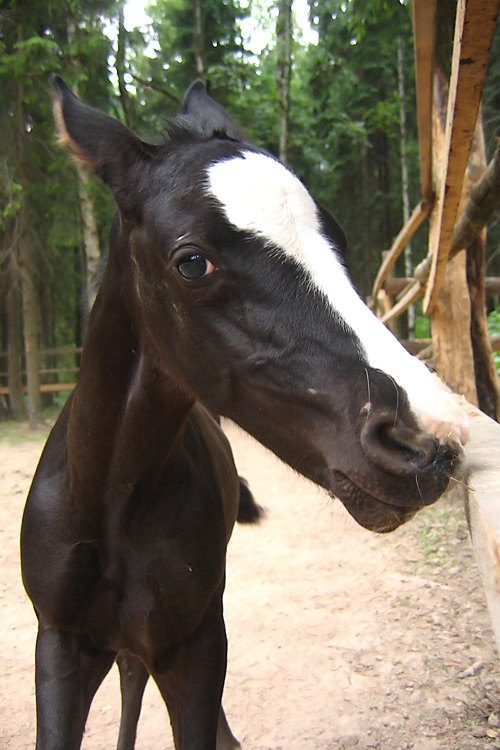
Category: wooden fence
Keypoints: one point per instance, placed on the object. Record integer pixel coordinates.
(58, 369)
(442, 165)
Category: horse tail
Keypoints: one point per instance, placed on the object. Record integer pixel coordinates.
(248, 510)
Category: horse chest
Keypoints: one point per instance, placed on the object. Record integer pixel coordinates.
(153, 599)
(141, 590)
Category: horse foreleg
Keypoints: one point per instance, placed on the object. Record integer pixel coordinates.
(69, 669)
(133, 679)
(225, 738)
(192, 683)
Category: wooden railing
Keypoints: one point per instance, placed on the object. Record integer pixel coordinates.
(443, 173)
(56, 374)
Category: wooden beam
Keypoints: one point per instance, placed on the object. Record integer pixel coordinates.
(416, 345)
(474, 28)
(413, 292)
(60, 350)
(44, 388)
(481, 205)
(399, 244)
(396, 285)
(424, 22)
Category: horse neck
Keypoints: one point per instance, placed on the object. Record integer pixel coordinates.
(123, 407)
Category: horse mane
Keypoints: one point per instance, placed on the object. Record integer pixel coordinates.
(182, 129)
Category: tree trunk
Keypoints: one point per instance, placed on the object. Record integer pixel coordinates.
(474, 344)
(450, 326)
(383, 159)
(198, 40)
(283, 73)
(459, 325)
(450, 318)
(404, 178)
(16, 402)
(487, 382)
(127, 106)
(30, 329)
(365, 235)
(90, 233)
(26, 269)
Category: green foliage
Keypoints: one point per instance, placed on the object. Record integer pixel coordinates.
(174, 65)
(38, 188)
(348, 130)
(494, 330)
(422, 326)
(11, 196)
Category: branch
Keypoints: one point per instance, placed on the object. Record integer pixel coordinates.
(483, 200)
(399, 244)
(480, 207)
(156, 87)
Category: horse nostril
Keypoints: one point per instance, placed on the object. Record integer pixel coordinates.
(416, 447)
(395, 446)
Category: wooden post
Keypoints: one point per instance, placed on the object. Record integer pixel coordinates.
(474, 28)
(424, 31)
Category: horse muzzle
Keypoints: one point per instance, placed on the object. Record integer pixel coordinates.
(403, 469)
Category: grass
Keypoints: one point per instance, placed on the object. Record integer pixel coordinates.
(15, 433)
(436, 542)
(439, 524)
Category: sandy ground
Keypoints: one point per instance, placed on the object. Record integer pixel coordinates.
(338, 638)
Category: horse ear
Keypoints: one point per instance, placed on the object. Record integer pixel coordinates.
(101, 142)
(206, 116)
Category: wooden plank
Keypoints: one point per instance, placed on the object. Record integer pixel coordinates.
(415, 345)
(50, 371)
(418, 215)
(60, 350)
(53, 387)
(475, 25)
(482, 505)
(424, 20)
(397, 284)
(56, 370)
(415, 289)
(44, 388)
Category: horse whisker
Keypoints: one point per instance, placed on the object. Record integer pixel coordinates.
(458, 481)
(418, 488)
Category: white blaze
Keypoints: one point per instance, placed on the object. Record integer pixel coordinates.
(258, 194)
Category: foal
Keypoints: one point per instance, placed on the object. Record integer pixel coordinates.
(223, 293)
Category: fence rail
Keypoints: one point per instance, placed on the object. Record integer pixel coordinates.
(52, 376)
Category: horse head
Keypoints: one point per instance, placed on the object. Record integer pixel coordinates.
(235, 281)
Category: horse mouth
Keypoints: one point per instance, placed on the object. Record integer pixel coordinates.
(369, 511)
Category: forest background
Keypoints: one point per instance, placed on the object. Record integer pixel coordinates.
(333, 97)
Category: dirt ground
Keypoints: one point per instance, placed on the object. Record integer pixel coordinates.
(338, 638)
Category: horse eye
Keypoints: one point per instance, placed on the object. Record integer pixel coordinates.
(193, 267)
